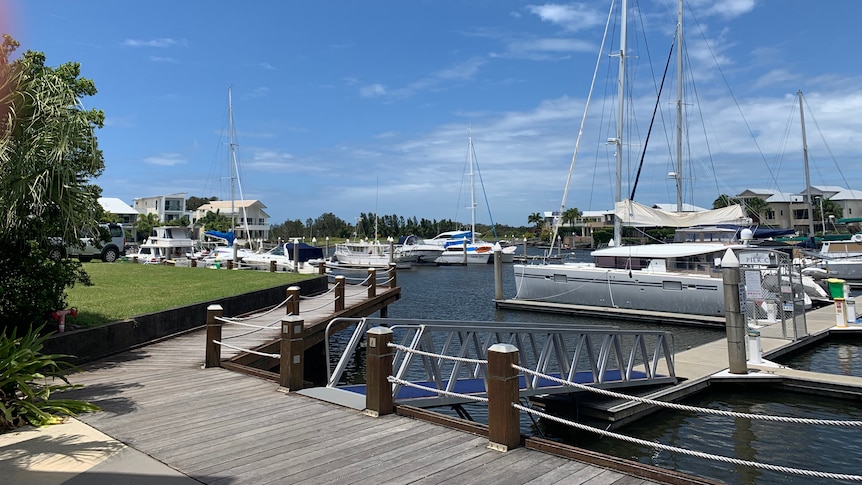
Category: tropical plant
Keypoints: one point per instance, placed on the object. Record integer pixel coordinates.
(570, 217)
(537, 219)
(29, 378)
(48, 158)
(145, 224)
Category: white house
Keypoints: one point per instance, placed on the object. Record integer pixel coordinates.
(252, 221)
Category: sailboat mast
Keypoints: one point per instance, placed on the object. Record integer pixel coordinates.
(472, 186)
(232, 169)
(618, 223)
(807, 175)
(679, 93)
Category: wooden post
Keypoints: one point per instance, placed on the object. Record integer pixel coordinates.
(339, 293)
(734, 321)
(272, 266)
(378, 368)
(229, 264)
(321, 267)
(393, 282)
(504, 426)
(291, 367)
(498, 271)
(465, 252)
(213, 350)
(194, 263)
(292, 306)
(372, 282)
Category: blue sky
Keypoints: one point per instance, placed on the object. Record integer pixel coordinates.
(349, 107)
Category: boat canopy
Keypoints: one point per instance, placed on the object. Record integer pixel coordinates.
(227, 236)
(306, 252)
(633, 214)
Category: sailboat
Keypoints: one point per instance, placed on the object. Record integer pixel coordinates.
(463, 247)
(680, 277)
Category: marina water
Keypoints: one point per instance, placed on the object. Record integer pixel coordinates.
(467, 293)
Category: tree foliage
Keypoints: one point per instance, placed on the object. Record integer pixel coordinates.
(48, 158)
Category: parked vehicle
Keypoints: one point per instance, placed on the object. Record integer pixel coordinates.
(108, 245)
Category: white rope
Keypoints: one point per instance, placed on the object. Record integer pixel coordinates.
(430, 354)
(441, 392)
(242, 324)
(325, 303)
(256, 315)
(683, 407)
(318, 296)
(240, 349)
(362, 289)
(674, 449)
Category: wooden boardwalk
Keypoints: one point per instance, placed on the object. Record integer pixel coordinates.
(222, 427)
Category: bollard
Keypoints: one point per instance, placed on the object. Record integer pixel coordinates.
(291, 369)
(272, 266)
(194, 263)
(504, 425)
(293, 297)
(393, 282)
(735, 322)
(339, 293)
(321, 267)
(498, 271)
(229, 264)
(378, 368)
(840, 317)
(213, 350)
(372, 282)
(755, 350)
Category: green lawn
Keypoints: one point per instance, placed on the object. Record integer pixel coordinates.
(123, 289)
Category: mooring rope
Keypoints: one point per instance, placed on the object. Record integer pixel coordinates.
(440, 356)
(442, 392)
(240, 349)
(683, 407)
(684, 451)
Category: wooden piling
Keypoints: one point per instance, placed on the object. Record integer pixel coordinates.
(504, 427)
(339, 293)
(393, 282)
(378, 368)
(213, 350)
(291, 364)
(272, 266)
(292, 305)
(372, 282)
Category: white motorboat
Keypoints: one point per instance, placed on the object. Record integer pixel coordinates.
(165, 243)
(282, 255)
(362, 253)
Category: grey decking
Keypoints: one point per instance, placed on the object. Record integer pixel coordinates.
(219, 426)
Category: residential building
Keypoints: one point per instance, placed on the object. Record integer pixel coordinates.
(167, 207)
(126, 214)
(252, 221)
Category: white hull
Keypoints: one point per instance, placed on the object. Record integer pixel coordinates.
(585, 284)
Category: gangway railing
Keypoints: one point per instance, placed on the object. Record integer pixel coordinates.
(451, 356)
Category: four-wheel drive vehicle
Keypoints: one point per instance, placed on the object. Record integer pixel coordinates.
(108, 245)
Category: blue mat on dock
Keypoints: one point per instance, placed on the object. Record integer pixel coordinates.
(477, 386)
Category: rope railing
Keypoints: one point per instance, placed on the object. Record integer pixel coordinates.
(240, 349)
(501, 422)
(331, 290)
(256, 315)
(684, 451)
(324, 304)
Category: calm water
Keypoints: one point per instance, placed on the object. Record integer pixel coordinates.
(458, 292)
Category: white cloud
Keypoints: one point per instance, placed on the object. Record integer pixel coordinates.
(166, 160)
(574, 17)
(170, 60)
(160, 42)
(372, 91)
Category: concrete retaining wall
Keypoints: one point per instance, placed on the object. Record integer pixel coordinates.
(94, 343)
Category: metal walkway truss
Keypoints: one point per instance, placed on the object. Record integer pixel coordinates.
(450, 356)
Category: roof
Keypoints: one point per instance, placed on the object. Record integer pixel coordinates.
(116, 206)
(784, 197)
(226, 204)
(847, 194)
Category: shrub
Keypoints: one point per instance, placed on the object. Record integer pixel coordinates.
(28, 379)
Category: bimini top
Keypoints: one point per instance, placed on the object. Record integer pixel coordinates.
(674, 250)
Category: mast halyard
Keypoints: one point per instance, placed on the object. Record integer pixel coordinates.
(808, 195)
(472, 186)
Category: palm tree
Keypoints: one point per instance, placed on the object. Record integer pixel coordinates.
(537, 219)
(146, 223)
(570, 217)
(755, 207)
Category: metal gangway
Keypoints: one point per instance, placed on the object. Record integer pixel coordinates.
(438, 362)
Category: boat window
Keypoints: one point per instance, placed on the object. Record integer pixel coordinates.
(672, 285)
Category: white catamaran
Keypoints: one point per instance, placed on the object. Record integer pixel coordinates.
(677, 277)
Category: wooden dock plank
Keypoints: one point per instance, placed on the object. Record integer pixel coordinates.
(219, 426)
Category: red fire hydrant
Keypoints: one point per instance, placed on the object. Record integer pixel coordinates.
(60, 316)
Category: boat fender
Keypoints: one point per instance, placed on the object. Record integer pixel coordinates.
(856, 238)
